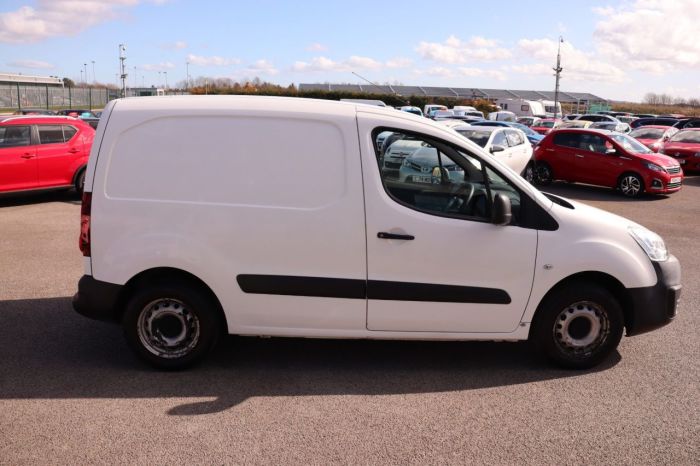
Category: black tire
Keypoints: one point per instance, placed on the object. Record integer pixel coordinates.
(171, 324)
(80, 182)
(543, 174)
(631, 185)
(578, 326)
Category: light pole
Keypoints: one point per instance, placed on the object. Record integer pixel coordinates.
(187, 82)
(86, 78)
(557, 72)
(166, 80)
(81, 75)
(159, 78)
(93, 71)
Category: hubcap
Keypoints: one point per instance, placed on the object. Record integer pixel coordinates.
(581, 328)
(630, 186)
(167, 328)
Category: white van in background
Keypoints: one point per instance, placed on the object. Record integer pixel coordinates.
(502, 115)
(522, 107)
(265, 216)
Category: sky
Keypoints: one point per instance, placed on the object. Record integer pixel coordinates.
(619, 50)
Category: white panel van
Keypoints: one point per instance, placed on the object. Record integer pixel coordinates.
(263, 216)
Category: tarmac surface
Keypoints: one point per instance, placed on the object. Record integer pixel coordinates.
(72, 392)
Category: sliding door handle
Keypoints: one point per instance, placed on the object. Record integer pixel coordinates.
(385, 235)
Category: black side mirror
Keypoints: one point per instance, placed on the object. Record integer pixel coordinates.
(501, 214)
(497, 148)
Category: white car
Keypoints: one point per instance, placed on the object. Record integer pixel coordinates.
(265, 216)
(509, 145)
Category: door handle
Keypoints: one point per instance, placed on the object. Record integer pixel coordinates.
(579, 156)
(385, 235)
(73, 151)
(27, 155)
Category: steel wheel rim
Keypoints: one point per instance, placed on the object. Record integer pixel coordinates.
(630, 185)
(581, 328)
(167, 328)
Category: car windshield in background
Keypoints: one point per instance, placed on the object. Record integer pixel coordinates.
(478, 137)
(687, 136)
(647, 133)
(523, 128)
(546, 124)
(630, 144)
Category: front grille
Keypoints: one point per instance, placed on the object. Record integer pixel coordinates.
(395, 165)
(673, 170)
(673, 185)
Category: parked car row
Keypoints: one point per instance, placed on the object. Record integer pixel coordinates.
(90, 117)
(43, 152)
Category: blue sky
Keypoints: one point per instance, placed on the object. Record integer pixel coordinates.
(616, 49)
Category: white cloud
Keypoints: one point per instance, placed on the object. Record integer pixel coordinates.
(262, 67)
(656, 36)
(211, 61)
(436, 71)
(34, 64)
(456, 51)
(50, 18)
(316, 47)
(326, 64)
(578, 65)
(478, 72)
(399, 63)
(179, 45)
(164, 66)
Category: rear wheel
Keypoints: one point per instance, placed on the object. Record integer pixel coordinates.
(80, 182)
(631, 185)
(578, 326)
(171, 325)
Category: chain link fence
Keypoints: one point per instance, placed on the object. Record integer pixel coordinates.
(17, 97)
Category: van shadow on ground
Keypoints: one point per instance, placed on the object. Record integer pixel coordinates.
(48, 351)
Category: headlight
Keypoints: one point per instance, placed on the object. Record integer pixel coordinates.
(652, 243)
(406, 163)
(654, 167)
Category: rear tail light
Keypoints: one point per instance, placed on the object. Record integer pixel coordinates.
(84, 241)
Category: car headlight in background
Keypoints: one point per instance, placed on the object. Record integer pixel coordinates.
(654, 167)
(650, 242)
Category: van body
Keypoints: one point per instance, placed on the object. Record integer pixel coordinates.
(502, 115)
(267, 216)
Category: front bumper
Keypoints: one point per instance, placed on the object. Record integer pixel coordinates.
(97, 300)
(655, 306)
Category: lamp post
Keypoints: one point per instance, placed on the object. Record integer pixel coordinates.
(86, 78)
(557, 72)
(93, 71)
(166, 80)
(187, 81)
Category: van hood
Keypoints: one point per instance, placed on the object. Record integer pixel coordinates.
(584, 212)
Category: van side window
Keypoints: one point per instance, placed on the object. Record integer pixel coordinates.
(50, 134)
(441, 180)
(13, 136)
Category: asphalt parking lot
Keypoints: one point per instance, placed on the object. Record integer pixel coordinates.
(71, 392)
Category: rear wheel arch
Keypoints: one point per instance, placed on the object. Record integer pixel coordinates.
(160, 275)
(80, 172)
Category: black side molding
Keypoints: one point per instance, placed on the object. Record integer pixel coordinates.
(372, 289)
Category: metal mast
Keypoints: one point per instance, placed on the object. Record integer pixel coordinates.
(557, 72)
(122, 66)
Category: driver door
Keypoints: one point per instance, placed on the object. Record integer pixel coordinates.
(435, 262)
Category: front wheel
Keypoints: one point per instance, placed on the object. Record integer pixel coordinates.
(80, 182)
(171, 325)
(631, 185)
(529, 173)
(578, 326)
(543, 174)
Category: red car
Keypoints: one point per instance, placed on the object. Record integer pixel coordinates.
(43, 152)
(653, 136)
(605, 158)
(545, 125)
(684, 146)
